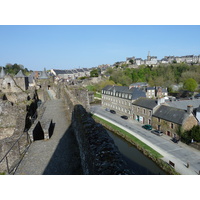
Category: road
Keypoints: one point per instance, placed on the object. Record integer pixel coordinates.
(180, 154)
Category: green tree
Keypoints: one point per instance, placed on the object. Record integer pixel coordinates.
(94, 73)
(131, 61)
(190, 84)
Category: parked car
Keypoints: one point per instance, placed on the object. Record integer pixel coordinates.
(107, 109)
(147, 127)
(124, 117)
(156, 132)
(175, 140)
(112, 111)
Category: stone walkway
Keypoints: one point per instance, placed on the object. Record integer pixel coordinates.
(57, 156)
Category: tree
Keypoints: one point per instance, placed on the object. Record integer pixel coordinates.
(131, 61)
(190, 84)
(94, 73)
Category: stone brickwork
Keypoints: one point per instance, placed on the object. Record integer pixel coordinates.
(99, 155)
(189, 123)
(15, 112)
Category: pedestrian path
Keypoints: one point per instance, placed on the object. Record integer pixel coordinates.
(180, 166)
(57, 155)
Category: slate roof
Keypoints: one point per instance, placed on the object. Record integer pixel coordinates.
(171, 114)
(20, 74)
(74, 71)
(146, 103)
(182, 104)
(69, 72)
(79, 70)
(58, 71)
(150, 88)
(31, 77)
(43, 75)
(136, 92)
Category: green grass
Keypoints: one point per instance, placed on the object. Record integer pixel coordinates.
(97, 95)
(145, 149)
(129, 137)
(90, 87)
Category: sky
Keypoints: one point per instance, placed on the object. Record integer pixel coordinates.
(94, 33)
(77, 46)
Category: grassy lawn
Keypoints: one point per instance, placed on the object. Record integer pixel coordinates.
(129, 137)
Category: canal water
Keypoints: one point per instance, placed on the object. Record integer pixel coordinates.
(140, 164)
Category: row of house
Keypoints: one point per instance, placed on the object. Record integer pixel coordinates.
(159, 113)
(151, 92)
(152, 60)
(70, 74)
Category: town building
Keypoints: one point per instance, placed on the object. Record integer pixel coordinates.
(70, 74)
(151, 92)
(169, 119)
(143, 108)
(120, 98)
(142, 85)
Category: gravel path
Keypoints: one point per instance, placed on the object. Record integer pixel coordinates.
(57, 156)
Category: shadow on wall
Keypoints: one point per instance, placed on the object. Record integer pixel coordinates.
(66, 158)
(38, 133)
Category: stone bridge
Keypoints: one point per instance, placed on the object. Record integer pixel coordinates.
(67, 141)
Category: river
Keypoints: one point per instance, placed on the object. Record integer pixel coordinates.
(140, 164)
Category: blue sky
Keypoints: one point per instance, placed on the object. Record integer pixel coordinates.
(74, 46)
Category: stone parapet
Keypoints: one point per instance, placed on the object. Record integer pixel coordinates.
(99, 154)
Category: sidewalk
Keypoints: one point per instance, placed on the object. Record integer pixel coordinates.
(56, 155)
(180, 166)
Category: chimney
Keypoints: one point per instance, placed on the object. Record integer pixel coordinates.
(160, 101)
(189, 109)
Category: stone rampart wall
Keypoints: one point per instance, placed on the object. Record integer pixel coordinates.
(99, 154)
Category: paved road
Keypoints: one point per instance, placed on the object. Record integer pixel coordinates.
(57, 156)
(179, 153)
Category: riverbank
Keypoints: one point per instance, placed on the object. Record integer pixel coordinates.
(140, 145)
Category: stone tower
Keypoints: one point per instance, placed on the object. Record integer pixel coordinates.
(21, 80)
(148, 57)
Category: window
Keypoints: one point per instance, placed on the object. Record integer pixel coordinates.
(9, 85)
(144, 111)
(172, 125)
(158, 119)
(149, 113)
(138, 109)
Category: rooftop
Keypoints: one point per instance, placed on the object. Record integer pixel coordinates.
(171, 114)
(146, 103)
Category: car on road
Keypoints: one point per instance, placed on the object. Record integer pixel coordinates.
(147, 127)
(112, 111)
(124, 117)
(107, 109)
(175, 140)
(156, 132)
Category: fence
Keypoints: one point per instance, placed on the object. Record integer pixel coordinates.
(9, 164)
